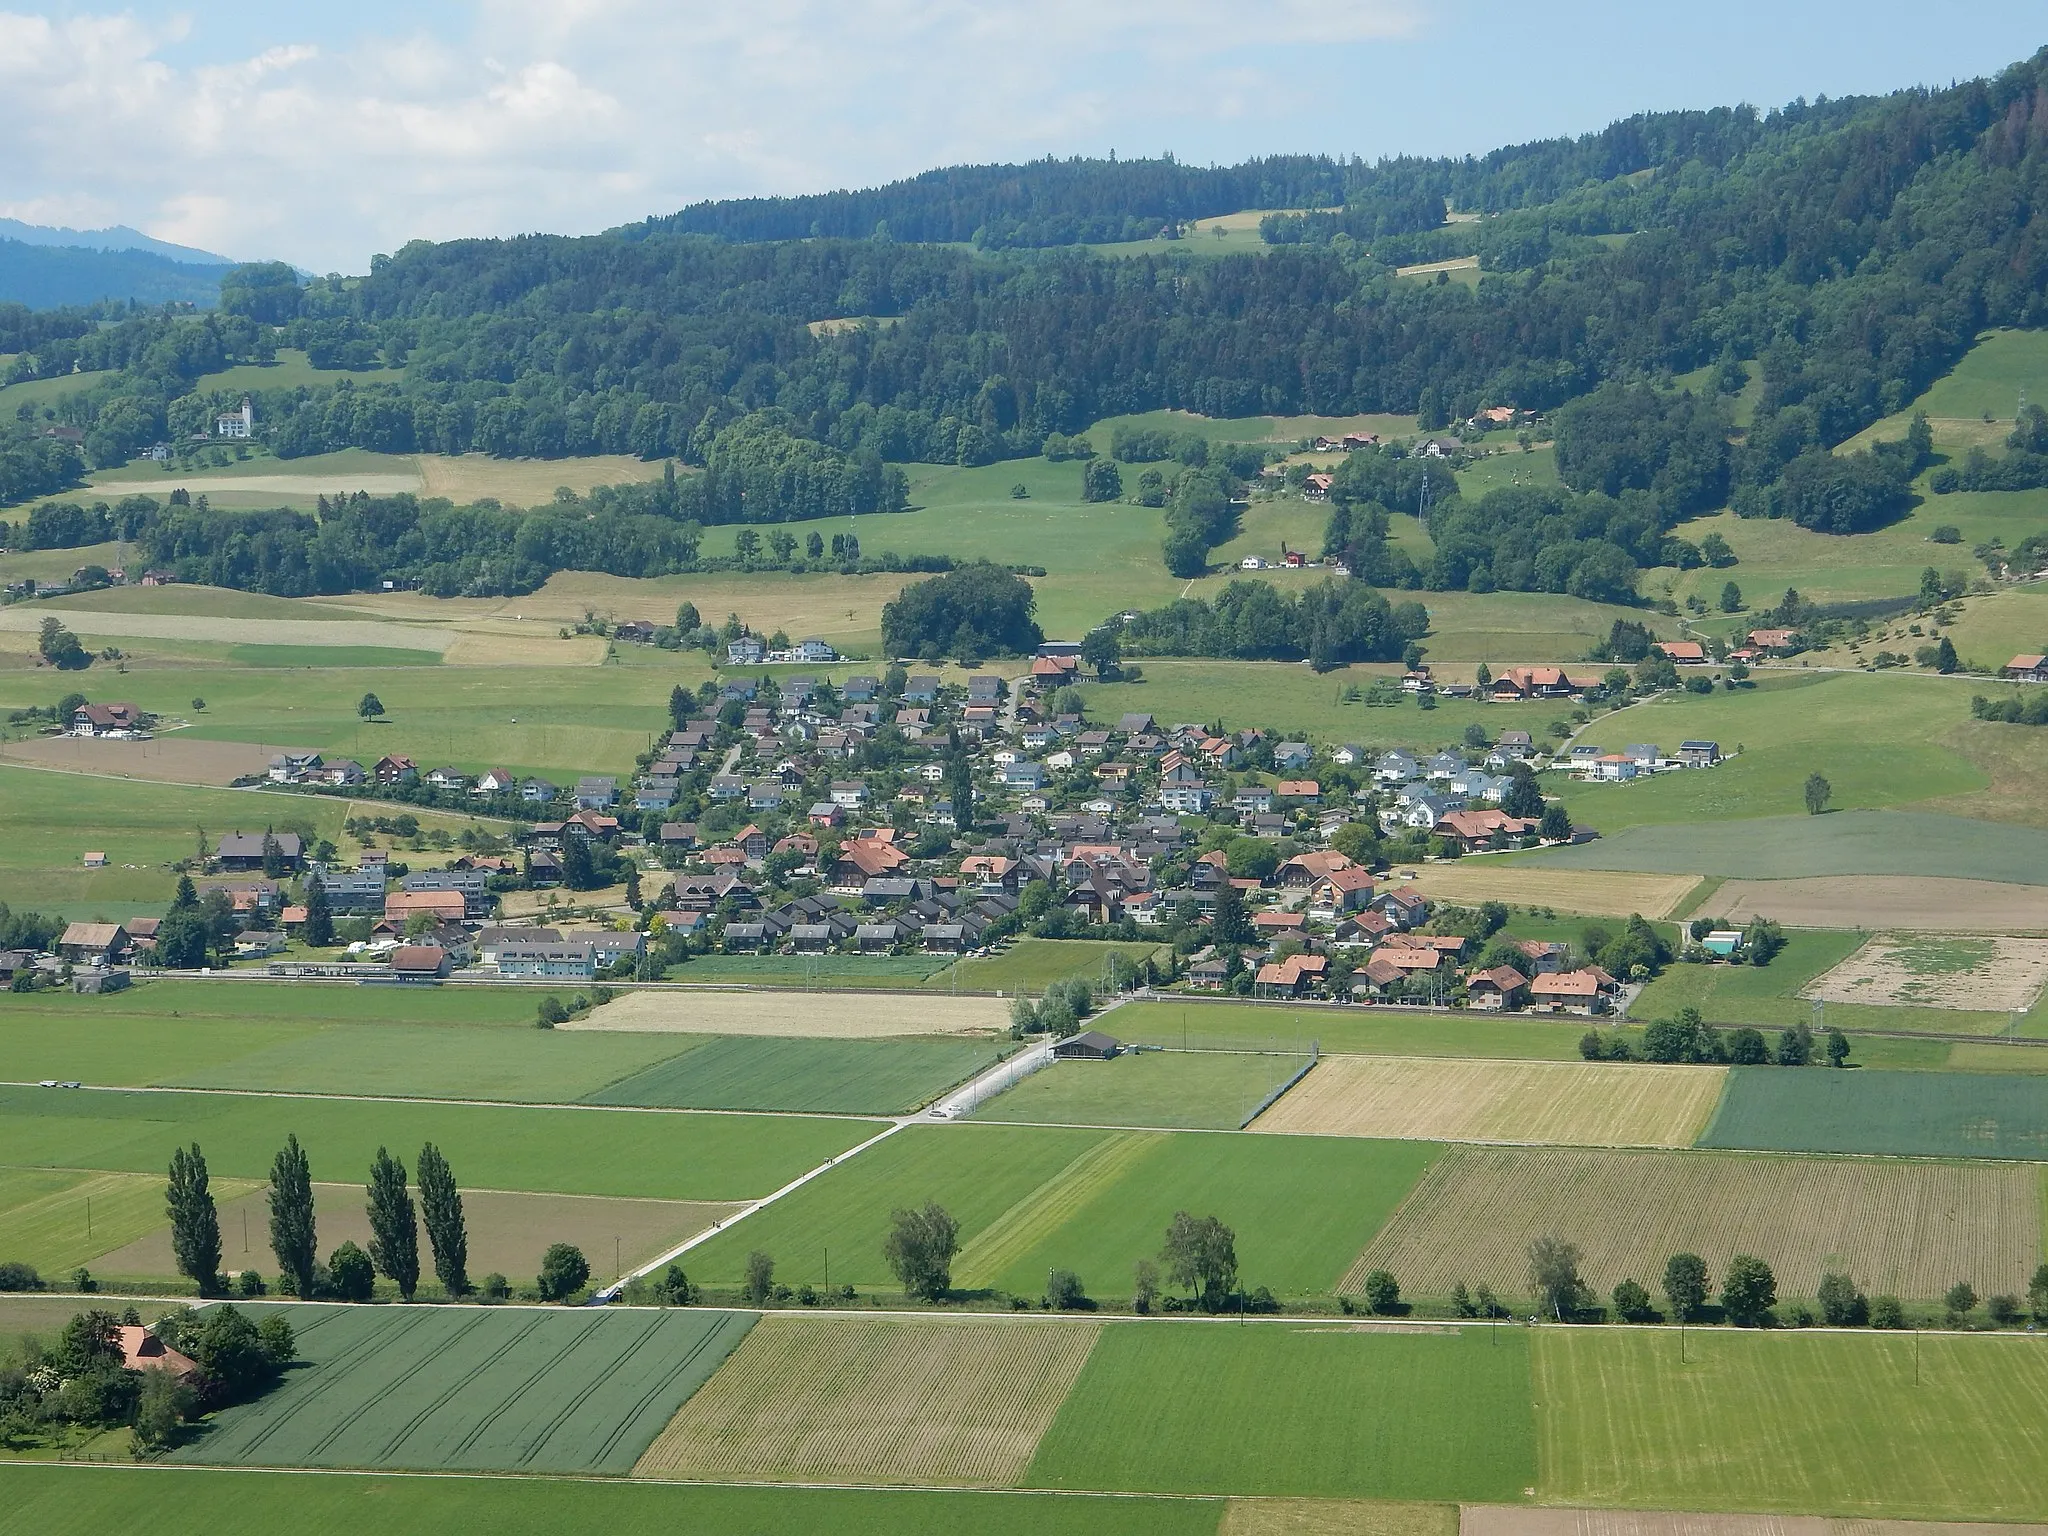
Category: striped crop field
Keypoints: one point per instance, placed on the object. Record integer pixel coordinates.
(1563, 1103)
(1908, 1229)
(958, 1402)
(495, 1389)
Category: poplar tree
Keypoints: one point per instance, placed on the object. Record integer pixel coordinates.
(318, 929)
(441, 1207)
(292, 1236)
(195, 1224)
(394, 1231)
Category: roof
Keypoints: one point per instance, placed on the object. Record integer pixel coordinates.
(93, 935)
(1683, 650)
(418, 957)
(1566, 984)
(2026, 663)
(1505, 977)
(142, 1350)
(1091, 1040)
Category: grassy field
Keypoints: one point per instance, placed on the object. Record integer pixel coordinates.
(477, 1389)
(953, 1402)
(88, 1501)
(1922, 1114)
(1764, 995)
(1346, 1031)
(1467, 882)
(1583, 1104)
(562, 1151)
(1905, 1228)
(831, 1076)
(1333, 1411)
(57, 1220)
(1031, 965)
(1030, 1199)
(1945, 1428)
(1198, 1090)
(292, 370)
(815, 972)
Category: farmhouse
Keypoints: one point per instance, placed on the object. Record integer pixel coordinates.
(106, 719)
(1772, 640)
(1684, 653)
(2027, 669)
(1580, 992)
(101, 943)
(244, 850)
(142, 1350)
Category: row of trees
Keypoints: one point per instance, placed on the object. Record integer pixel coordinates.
(1328, 625)
(349, 1273)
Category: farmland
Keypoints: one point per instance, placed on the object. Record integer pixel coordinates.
(1031, 1199)
(1932, 903)
(1569, 890)
(834, 1076)
(1361, 1031)
(507, 1232)
(57, 1220)
(844, 1400)
(654, 1155)
(87, 1501)
(1198, 1090)
(1904, 1228)
(1948, 1114)
(1958, 971)
(498, 1389)
(848, 1015)
(1587, 1104)
(1942, 1428)
(1334, 1411)
(1031, 965)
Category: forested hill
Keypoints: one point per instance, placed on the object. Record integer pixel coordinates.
(1847, 251)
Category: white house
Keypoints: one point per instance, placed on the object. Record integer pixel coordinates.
(240, 423)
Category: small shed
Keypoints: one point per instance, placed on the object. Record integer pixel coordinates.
(1090, 1045)
(1722, 941)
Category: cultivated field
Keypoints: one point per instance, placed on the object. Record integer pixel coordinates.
(641, 1154)
(508, 1233)
(1359, 1031)
(1997, 975)
(819, 1076)
(1198, 1090)
(1327, 1411)
(1900, 1228)
(474, 1388)
(1336, 1517)
(1951, 1114)
(1511, 1520)
(839, 1015)
(57, 1220)
(1030, 965)
(87, 1501)
(1471, 881)
(955, 1402)
(1939, 1428)
(168, 759)
(1936, 903)
(1571, 1104)
(99, 623)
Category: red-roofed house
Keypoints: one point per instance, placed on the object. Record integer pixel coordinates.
(1301, 872)
(1497, 989)
(1684, 653)
(142, 1350)
(2027, 669)
(1569, 991)
(1338, 893)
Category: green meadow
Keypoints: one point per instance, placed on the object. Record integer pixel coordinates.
(1915, 1114)
(818, 1076)
(1197, 1090)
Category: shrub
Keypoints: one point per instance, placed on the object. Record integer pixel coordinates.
(19, 1277)
(1632, 1302)
(350, 1275)
(494, 1287)
(760, 1282)
(1064, 1292)
(2004, 1310)
(1749, 1290)
(1841, 1304)
(1885, 1312)
(1960, 1302)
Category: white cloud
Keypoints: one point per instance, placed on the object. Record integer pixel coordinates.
(577, 114)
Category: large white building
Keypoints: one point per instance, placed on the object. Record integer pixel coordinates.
(240, 423)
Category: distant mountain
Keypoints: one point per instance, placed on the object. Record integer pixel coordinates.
(44, 276)
(118, 237)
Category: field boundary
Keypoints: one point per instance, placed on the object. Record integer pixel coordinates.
(1314, 1055)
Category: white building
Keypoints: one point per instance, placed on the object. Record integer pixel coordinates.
(240, 423)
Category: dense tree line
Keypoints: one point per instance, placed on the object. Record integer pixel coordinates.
(1328, 625)
(33, 466)
(1632, 437)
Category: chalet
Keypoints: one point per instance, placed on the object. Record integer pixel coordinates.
(1339, 893)
(1052, 671)
(142, 1350)
(1301, 872)
(1362, 929)
(863, 860)
(1277, 925)
(1683, 653)
(393, 769)
(751, 841)
(1404, 908)
(1500, 988)
(244, 850)
(496, 781)
(107, 720)
(342, 773)
(94, 943)
(876, 938)
(1291, 977)
(2026, 669)
(1514, 683)
(1780, 640)
(449, 778)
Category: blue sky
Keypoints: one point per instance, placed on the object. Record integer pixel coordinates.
(323, 133)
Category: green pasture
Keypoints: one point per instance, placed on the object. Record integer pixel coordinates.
(1989, 379)
(557, 1151)
(1031, 965)
(1030, 1199)
(1196, 1090)
(51, 564)
(1327, 1411)
(57, 1220)
(191, 1501)
(201, 602)
(830, 1076)
(474, 1389)
(292, 370)
(1506, 466)
(1915, 1114)
(42, 392)
(353, 656)
(2008, 623)
(1934, 1427)
(1841, 843)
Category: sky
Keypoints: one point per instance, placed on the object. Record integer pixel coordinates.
(321, 134)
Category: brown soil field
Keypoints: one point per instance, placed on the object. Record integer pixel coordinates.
(841, 1015)
(1562, 1103)
(1470, 881)
(166, 760)
(1518, 1520)
(1934, 904)
(527, 482)
(961, 1403)
(1336, 1517)
(508, 1232)
(1986, 974)
(1907, 1229)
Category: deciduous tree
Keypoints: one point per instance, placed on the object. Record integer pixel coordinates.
(292, 1236)
(195, 1223)
(441, 1208)
(394, 1228)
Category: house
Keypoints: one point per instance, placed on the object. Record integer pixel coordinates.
(1303, 870)
(1683, 653)
(655, 794)
(746, 651)
(394, 769)
(1779, 640)
(1048, 672)
(1024, 775)
(1644, 754)
(1362, 929)
(1722, 942)
(1277, 925)
(1699, 754)
(1252, 800)
(849, 794)
(419, 962)
(989, 874)
(490, 941)
(470, 884)
(1519, 743)
(94, 943)
(449, 778)
(1609, 768)
(244, 850)
(1136, 723)
(814, 650)
(1569, 991)
(1348, 755)
(1339, 893)
(292, 767)
(1186, 799)
(864, 859)
(1290, 977)
(765, 795)
(1315, 488)
(922, 689)
(1498, 989)
(159, 578)
(107, 719)
(860, 690)
(495, 781)
(1404, 908)
(1292, 754)
(596, 793)
(1542, 957)
(446, 906)
(545, 960)
(342, 773)
(142, 1350)
(1513, 683)
(1307, 791)
(1089, 1045)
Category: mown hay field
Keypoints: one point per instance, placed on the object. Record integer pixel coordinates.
(1513, 1520)
(1909, 1229)
(508, 1233)
(1468, 882)
(1988, 973)
(1567, 1103)
(1927, 1114)
(56, 1219)
(814, 1076)
(839, 1015)
(1197, 1090)
(474, 1389)
(89, 1501)
(1931, 903)
(956, 1402)
(1316, 1410)
(1944, 1427)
